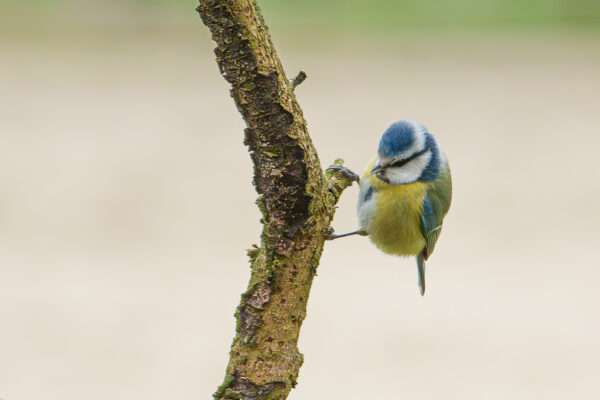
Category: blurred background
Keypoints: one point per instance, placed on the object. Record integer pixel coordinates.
(126, 202)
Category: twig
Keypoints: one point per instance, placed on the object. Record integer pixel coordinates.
(298, 79)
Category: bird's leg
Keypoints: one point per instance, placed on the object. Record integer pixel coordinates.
(346, 171)
(360, 232)
(330, 235)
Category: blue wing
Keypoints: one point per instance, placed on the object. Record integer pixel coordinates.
(431, 226)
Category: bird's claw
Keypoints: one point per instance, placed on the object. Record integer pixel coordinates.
(346, 171)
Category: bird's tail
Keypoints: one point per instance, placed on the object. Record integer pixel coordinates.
(421, 268)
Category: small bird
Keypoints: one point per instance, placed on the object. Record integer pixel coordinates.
(405, 193)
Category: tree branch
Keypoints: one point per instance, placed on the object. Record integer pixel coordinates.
(296, 199)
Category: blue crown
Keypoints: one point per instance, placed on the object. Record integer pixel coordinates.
(399, 137)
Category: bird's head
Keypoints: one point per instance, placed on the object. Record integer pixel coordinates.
(407, 153)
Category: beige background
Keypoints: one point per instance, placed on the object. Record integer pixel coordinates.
(126, 207)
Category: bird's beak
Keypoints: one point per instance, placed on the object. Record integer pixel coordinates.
(378, 168)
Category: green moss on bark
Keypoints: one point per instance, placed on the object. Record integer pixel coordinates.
(296, 199)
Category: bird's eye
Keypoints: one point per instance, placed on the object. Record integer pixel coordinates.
(400, 163)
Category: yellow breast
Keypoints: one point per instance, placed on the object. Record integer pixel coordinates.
(395, 224)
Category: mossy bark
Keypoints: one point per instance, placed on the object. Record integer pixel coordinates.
(296, 198)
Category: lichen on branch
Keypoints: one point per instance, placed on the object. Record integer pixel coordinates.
(296, 199)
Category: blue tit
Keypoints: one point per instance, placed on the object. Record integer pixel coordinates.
(405, 193)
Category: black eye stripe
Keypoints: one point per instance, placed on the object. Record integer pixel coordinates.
(400, 163)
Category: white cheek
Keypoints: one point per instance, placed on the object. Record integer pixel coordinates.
(410, 172)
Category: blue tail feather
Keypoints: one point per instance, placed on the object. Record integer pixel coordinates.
(421, 270)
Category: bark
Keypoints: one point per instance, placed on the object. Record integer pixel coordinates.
(296, 199)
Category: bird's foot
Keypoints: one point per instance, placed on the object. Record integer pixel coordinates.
(329, 233)
(346, 171)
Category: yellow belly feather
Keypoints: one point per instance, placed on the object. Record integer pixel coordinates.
(396, 226)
